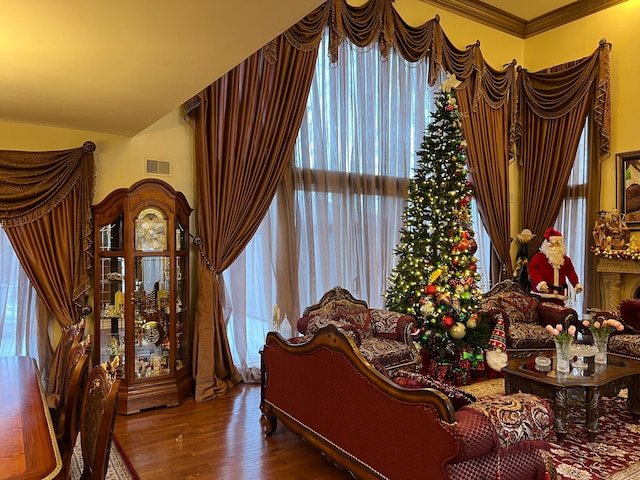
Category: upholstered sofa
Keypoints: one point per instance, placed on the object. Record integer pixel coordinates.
(377, 427)
(382, 336)
(525, 317)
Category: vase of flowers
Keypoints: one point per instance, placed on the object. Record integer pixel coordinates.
(563, 340)
(600, 331)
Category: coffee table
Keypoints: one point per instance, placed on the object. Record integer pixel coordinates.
(576, 389)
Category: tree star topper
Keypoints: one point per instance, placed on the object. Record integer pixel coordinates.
(450, 82)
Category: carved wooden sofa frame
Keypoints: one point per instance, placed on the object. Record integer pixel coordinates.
(326, 392)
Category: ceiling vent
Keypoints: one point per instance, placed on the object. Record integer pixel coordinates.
(158, 167)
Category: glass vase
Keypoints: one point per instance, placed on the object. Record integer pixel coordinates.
(600, 341)
(562, 356)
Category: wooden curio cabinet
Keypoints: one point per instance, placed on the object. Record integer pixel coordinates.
(141, 293)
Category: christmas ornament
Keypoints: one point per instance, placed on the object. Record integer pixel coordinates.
(458, 330)
(430, 290)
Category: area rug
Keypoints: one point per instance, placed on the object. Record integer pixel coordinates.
(119, 466)
(615, 455)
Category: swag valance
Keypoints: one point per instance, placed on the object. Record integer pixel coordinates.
(32, 183)
(45, 209)
(377, 21)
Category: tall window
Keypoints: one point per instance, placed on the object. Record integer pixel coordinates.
(18, 325)
(573, 213)
(354, 157)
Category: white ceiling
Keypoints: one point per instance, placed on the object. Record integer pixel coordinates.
(118, 66)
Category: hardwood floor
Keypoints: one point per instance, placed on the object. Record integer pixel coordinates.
(222, 439)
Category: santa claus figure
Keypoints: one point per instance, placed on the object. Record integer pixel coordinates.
(550, 269)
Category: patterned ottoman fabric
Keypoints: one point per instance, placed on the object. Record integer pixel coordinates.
(519, 420)
(527, 465)
(502, 436)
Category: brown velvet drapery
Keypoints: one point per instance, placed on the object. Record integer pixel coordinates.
(45, 208)
(246, 126)
(554, 104)
(226, 163)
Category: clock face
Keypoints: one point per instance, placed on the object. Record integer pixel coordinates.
(151, 229)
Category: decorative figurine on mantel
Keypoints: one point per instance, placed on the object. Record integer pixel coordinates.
(550, 269)
(610, 231)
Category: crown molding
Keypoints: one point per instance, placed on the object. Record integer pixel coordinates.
(567, 14)
(493, 17)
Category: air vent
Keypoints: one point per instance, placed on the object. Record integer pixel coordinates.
(158, 167)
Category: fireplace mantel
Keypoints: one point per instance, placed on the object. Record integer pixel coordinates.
(619, 280)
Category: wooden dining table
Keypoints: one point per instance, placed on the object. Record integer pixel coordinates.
(28, 447)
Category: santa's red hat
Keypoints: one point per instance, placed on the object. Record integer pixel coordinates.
(551, 233)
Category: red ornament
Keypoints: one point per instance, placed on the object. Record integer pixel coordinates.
(430, 290)
(448, 321)
(472, 267)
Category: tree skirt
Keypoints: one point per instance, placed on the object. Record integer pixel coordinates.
(614, 455)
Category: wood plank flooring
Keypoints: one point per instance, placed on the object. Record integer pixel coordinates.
(222, 439)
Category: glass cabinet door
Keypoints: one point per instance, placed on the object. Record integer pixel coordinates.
(182, 319)
(111, 297)
(151, 313)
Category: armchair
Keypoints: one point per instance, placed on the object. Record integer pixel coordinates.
(383, 337)
(525, 317)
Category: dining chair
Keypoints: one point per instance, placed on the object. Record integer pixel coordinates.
(97, 420)
(69, 422)
(56, 380)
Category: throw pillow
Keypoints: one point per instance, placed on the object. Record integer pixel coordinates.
(630, 313)
(520, 308)
(360, 319)
(318, 321)
(385, 322)
(459, 398)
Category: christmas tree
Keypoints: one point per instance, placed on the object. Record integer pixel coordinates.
(435, 279)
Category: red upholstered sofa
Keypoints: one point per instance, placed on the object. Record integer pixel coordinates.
(325, 391)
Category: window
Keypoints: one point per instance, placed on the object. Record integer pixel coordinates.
(354, 157)
(573, 212)
(18, 325)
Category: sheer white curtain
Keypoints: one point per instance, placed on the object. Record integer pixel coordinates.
(19, 329)
(354, 156)
(571, 220)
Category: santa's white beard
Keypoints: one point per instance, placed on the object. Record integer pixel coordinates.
(555, 253)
